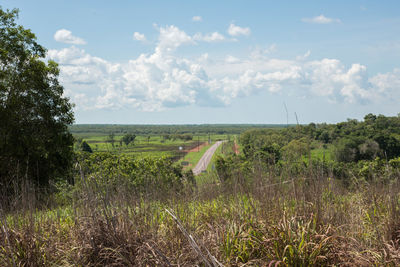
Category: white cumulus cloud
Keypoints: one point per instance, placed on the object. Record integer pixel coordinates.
(321, 19)
(387, 84)
(65, 36)
(171, 37)
(164, 79)
(234, 30)
(329, 77)
(139, 36)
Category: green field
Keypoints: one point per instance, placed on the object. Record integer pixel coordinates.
(155, 140)
(151, 145)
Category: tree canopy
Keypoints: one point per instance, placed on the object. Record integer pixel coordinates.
(352, 140)
(128, 138)
(86, 147)
(35, 143)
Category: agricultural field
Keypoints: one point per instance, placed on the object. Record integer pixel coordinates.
(153, 146)
(186, 146)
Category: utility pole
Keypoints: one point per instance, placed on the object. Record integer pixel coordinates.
(287, 116)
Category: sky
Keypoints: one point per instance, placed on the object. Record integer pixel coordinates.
(196, 62)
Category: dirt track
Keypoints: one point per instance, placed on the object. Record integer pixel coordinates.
(206, 158)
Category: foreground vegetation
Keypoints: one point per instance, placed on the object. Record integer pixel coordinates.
(289, 198)
(126, 211)
(300, 222)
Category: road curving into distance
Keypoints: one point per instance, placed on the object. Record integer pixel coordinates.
(206, 158)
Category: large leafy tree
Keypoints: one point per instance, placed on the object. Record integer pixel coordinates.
(35, 143)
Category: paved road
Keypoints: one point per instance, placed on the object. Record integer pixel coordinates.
(206, 158)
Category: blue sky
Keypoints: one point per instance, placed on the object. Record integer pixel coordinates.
(221, 61)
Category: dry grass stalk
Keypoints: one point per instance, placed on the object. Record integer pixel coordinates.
(192, 242)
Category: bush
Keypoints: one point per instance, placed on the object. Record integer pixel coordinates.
(110, 172)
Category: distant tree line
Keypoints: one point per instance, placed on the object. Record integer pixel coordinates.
(105, 129)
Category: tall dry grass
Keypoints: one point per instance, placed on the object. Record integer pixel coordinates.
(307, 219)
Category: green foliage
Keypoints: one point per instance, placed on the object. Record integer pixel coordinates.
(243, 243)
(352, 149)
(346, 149)
(263, 145)
(389, 143)
(34, 139)
(350, 141)
(232, 168)
(223, 168)
(369, 149)
(375, 136)
(183, 137)
(128, 138)
(111, 172)
(295, 149)
(296, 242)
(111, 138)
(291, 242)
(379, 169)
(85, 147)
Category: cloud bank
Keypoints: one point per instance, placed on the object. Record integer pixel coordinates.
(163, 79)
